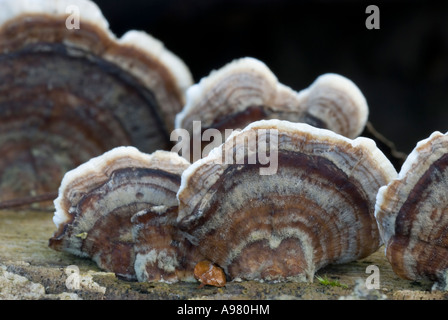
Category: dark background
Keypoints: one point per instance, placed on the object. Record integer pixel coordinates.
(402, 68)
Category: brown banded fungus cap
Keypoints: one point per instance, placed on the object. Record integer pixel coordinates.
(67, 95)
(98, 199)
(412, 213)
(316, 208)
(245, 90)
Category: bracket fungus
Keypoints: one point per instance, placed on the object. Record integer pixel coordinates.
(412, 213)
(317, 208)
(162, 253)
(97, 202)
(245, 91)
(69, 94)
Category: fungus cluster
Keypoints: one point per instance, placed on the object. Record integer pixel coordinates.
(93, 113)
(153, 217)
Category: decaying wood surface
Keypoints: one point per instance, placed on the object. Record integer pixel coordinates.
(29, 269)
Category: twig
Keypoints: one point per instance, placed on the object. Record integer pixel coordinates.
(19, 202)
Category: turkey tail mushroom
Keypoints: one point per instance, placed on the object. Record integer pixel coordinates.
(97, 202)
(412, 214)
(245, 90)
(73, 94)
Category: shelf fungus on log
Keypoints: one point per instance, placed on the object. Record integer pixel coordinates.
(97, 202)
(245, 90)
(69, 93)
(314, 207)
(412, 214)
(207, 273)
